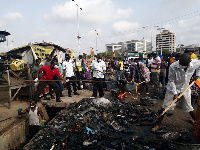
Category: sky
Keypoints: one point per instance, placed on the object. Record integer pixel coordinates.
(61, 21)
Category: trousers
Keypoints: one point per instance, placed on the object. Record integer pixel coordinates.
(42, 85)
(98, 86)
(73, 84)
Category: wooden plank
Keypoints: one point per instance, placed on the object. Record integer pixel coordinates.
(15, 73)
(9, 91)
(20, 85)
(31, 83)
(16, 93)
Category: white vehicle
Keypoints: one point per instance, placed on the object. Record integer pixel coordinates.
(130, 55)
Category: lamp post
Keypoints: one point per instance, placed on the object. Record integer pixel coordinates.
(8, 44)
(96, 39)
(160, 37)
(151, 36)
(78, 37)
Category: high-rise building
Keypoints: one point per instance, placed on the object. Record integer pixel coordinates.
(166, 40)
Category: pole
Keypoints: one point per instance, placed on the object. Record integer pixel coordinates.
(96, 44)
(96, 40)
(7, 44)
(151, 42)
(78, 33)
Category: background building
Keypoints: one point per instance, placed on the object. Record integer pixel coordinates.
(140, 46)
(166, 40)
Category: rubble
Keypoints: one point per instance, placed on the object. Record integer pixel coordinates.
(84, 125)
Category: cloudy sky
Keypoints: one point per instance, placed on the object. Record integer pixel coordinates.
(114, 21)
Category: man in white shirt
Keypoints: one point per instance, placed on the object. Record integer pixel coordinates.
(68, 70)
(99, 67)
(149, 61)
(180, 73)
(155, 70)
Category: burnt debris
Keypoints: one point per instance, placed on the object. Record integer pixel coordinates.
(92, 125)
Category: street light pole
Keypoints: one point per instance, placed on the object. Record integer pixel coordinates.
(78, 33)
(160, 37)
(7, 44)
(78, 37)
(96, 40)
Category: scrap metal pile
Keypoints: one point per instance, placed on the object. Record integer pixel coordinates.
(99, 124)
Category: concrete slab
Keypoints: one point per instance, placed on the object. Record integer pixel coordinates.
(66, 101)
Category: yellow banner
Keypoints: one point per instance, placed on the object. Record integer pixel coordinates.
(71, 53)
(41, 51)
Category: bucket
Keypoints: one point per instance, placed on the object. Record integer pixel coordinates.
(172, 137)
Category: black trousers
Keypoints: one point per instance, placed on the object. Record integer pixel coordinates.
(59, 83)
(98, 86)
(42, 85)
(33, 129)
(73, 84)
(80, 76)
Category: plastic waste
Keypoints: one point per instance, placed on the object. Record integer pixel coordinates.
(42, 124)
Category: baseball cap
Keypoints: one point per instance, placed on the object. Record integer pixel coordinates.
(154, 53)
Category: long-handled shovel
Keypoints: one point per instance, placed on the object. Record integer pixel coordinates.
(173, 102)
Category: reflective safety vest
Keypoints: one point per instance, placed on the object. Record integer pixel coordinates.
(78, 64)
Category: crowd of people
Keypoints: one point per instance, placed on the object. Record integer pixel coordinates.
(151, 71)
(171, 72)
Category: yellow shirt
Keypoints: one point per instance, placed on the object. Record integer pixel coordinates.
(78, 65)
(193, 56)
(121, 65)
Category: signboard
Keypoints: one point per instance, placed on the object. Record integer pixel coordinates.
(41, 51)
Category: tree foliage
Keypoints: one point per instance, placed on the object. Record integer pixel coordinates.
(109, 55)
(164, 52)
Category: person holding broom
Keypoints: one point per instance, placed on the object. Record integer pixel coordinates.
(179, 76)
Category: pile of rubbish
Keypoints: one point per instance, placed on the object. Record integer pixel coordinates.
(99, 124)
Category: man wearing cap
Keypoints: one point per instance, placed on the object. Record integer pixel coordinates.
(99, 67)
(180, 73)
(155, 69)
(68, 71)
(78, 70)
(48, 72)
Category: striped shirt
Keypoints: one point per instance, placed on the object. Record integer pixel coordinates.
(155, 63)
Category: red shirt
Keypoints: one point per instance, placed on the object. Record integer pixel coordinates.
(48, 73)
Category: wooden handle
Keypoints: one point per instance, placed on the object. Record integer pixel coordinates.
(175, 100)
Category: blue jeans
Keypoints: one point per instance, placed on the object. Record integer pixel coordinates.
(119, 75)
(162, 80)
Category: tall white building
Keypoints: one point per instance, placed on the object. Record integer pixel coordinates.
(166, 40)
(141, 46)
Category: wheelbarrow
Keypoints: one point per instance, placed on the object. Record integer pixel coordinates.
(121, 88)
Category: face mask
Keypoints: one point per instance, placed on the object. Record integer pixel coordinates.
(56, 66)
(182, 67)
(99, 60)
